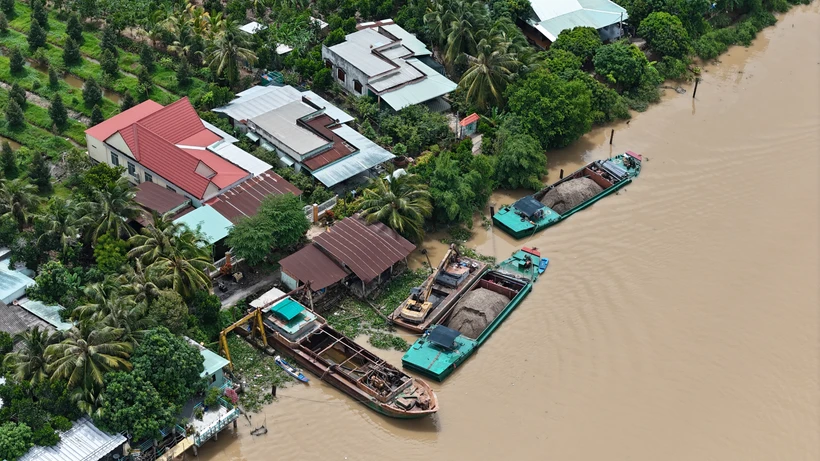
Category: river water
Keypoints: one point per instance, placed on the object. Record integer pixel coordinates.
(678, 320)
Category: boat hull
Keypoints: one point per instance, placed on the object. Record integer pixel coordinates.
(434, 363)
(513, 224)
(444, 306)
(339, 381)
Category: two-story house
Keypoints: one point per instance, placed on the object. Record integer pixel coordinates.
(383, 60)
(172, 147)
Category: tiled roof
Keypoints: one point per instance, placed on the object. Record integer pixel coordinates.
(310, 264)
(368, 250)
(104, 130)
(244, 199)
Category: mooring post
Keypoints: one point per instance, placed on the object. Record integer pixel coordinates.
(611, 136)
(561, 174)
(196, 452)
(273, 390)
(695, 91)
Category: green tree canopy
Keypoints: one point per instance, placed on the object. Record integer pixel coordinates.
(665, 34)
(127, 102)
(621, 63)
(14, 114)
(131, 404)
(15, 440)
(8, 161)
(171, 364)
(36, 36)
(557, 112)
(108, 63)
(97, 115)
(109, 253)
(92, 93)
(98, 178)
(280, 222)
(16, 61)
(580, 41)
(39, 14)
(39, 172)
(57, 111)
(169, 309)
(56, 284)
(74, 29)
(521, 160)
(561, 61)
(18, 94)
(4, 24)
(53, 78)
(71, 53)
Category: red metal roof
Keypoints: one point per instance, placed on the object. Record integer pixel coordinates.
(104, 130)
(226, 172)
(634, 155)
(244, 199)
(311, 264)
(157, 198)
(168, 161)
(339, 150)
(368, 250)
(472, 118)
(175, 122)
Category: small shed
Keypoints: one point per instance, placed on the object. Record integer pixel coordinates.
(14, 319)
(468, 125)
(213, 364)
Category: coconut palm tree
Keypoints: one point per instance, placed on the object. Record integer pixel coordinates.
(18, 199)
(84, 356)
(493, 66)
(401, 203)
(62, 223)
(225, 54)
(157, 239)
(467, 18)
(111, 209)
(130, 319)
(101, 298)
(29, 360)
(137, 287)
(183, 273)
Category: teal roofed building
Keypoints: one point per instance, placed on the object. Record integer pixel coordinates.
(213, 363)
(550, 17)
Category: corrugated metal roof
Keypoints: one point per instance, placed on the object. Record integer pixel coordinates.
(83, 442)
(225, 136)
(157, 198)
(311, 264)
(369, 155)
(433, 86)
(556, 16)
(268, 297)
(368, 250)
(15, 319)
(404, 74)
(357, 49)
(50, 314)
(252, 27)
(281, 124)
(240, 158)
(211, 361)
(258, 100)
(104, 130)
(244, 199)
(13, 283)
(407, 39)
(213, 225)
(287, 309)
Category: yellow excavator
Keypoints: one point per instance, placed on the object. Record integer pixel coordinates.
(417, 306)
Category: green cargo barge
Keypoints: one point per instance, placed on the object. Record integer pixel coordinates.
(444, 346)
(529, 215)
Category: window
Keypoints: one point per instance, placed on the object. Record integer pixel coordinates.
(357, 85)
(132, 170)
(115, 159)
(340, 74)
(148, 177)
(328, 64)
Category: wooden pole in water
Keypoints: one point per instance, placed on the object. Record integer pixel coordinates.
(561, 174)
(611, 136)
(273, 390)
(697, 79)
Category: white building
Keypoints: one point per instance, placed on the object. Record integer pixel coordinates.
(385, 61)
(553, 16)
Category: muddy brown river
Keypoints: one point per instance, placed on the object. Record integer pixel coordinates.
(677, 320)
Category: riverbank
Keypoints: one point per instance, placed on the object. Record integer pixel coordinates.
(677, 320)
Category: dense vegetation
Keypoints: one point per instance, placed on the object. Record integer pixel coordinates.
(69, 64)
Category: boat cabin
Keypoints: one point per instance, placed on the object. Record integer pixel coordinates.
(291, 319)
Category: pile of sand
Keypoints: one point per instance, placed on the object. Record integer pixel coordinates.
(476, 310)
(570, 194)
